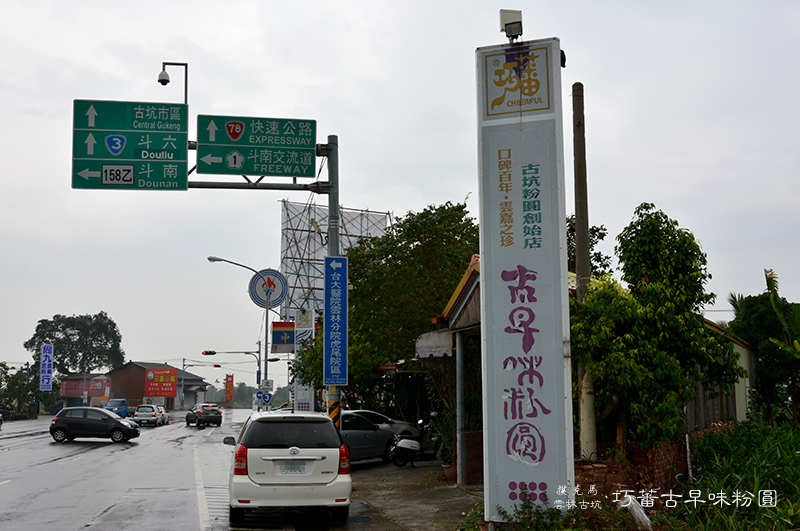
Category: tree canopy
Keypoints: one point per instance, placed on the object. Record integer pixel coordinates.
(756, 323)
(600, 263)
(82, 343)
(400, 281)
(646, 346)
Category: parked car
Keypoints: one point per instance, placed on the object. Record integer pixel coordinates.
(365, 439)
(163, 414)
(72, 422)
(202, 414)
(147, 414)
(285, 459)
(398, 427)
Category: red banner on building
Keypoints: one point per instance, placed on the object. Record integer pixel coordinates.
(161, 382)
(228, 388)
(96, 387)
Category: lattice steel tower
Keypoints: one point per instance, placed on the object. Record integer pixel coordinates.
(304, 245)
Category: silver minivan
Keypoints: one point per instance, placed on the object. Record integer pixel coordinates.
(288, 459)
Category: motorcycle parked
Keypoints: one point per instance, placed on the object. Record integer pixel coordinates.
(407, 450)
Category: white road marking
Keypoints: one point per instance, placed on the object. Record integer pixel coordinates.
(202, 505)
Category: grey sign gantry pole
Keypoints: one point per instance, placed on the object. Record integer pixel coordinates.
(331, 150)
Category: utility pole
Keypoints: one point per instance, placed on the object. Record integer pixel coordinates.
(583, 269)
(331, 150)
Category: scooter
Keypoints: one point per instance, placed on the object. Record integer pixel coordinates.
(405, 450)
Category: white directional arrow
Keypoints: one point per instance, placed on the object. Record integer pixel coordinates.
(90, 142)
(208, 159)
(212, 131)
(88, 173)
(336, 265)
(91, 113)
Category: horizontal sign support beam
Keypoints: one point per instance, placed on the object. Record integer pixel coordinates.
(317, 187)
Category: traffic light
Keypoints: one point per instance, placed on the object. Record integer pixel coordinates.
(216, 365)
(209, 352)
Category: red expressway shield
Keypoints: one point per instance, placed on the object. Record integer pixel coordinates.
(235, 129)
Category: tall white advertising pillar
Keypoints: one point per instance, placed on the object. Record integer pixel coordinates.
(527, 405)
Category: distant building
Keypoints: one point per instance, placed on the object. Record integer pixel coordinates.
(131, 381)
(79, 389)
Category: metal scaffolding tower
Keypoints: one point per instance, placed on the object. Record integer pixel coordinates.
(304, 245)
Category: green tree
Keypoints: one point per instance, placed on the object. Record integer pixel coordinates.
(755, 322)
(399, 282)
(789, 340)
(81, 343)
(600, 263)
(646, 346)
(638, 385)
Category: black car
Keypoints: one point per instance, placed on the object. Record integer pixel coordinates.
(365, 439)
(72, 422)
(202, 414)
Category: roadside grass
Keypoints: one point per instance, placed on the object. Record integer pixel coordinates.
(747, 478)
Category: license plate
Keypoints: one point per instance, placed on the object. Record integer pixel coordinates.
(293, 467)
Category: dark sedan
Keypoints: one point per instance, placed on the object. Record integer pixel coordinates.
(203, 414)
(365, 439)
(72, 422)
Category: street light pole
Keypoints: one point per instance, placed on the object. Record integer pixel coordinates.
(213, 259)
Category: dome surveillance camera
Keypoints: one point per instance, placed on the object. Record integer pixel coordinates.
(163, 77)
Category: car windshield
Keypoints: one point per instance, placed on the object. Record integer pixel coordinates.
(288, 433)
(144, 408)
(113, 415)
(114, 402)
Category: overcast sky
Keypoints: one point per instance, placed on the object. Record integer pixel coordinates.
(690, 105)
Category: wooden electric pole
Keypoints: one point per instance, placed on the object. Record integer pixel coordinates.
(583, 268)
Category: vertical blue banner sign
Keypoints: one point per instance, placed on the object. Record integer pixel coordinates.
(335, 358)
(46, 369)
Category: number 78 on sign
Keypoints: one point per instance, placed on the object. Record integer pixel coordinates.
(239, 145)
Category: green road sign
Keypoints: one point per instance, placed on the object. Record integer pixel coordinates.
(124, 145)
(235, 145)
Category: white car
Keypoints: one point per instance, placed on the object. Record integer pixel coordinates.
(287, 459)
(398, 427)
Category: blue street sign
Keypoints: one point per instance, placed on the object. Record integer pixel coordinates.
(46, 369)
(267, 398)
(335, 352)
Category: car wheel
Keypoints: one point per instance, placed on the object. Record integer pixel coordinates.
(117, 436)
(236, 516)
(188, 423)
(340, 514)
(219, 424)
(386, 457)
(60, 435)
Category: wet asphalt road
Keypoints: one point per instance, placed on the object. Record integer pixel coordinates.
(174, 478)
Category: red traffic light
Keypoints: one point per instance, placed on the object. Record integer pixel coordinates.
(209, 352)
